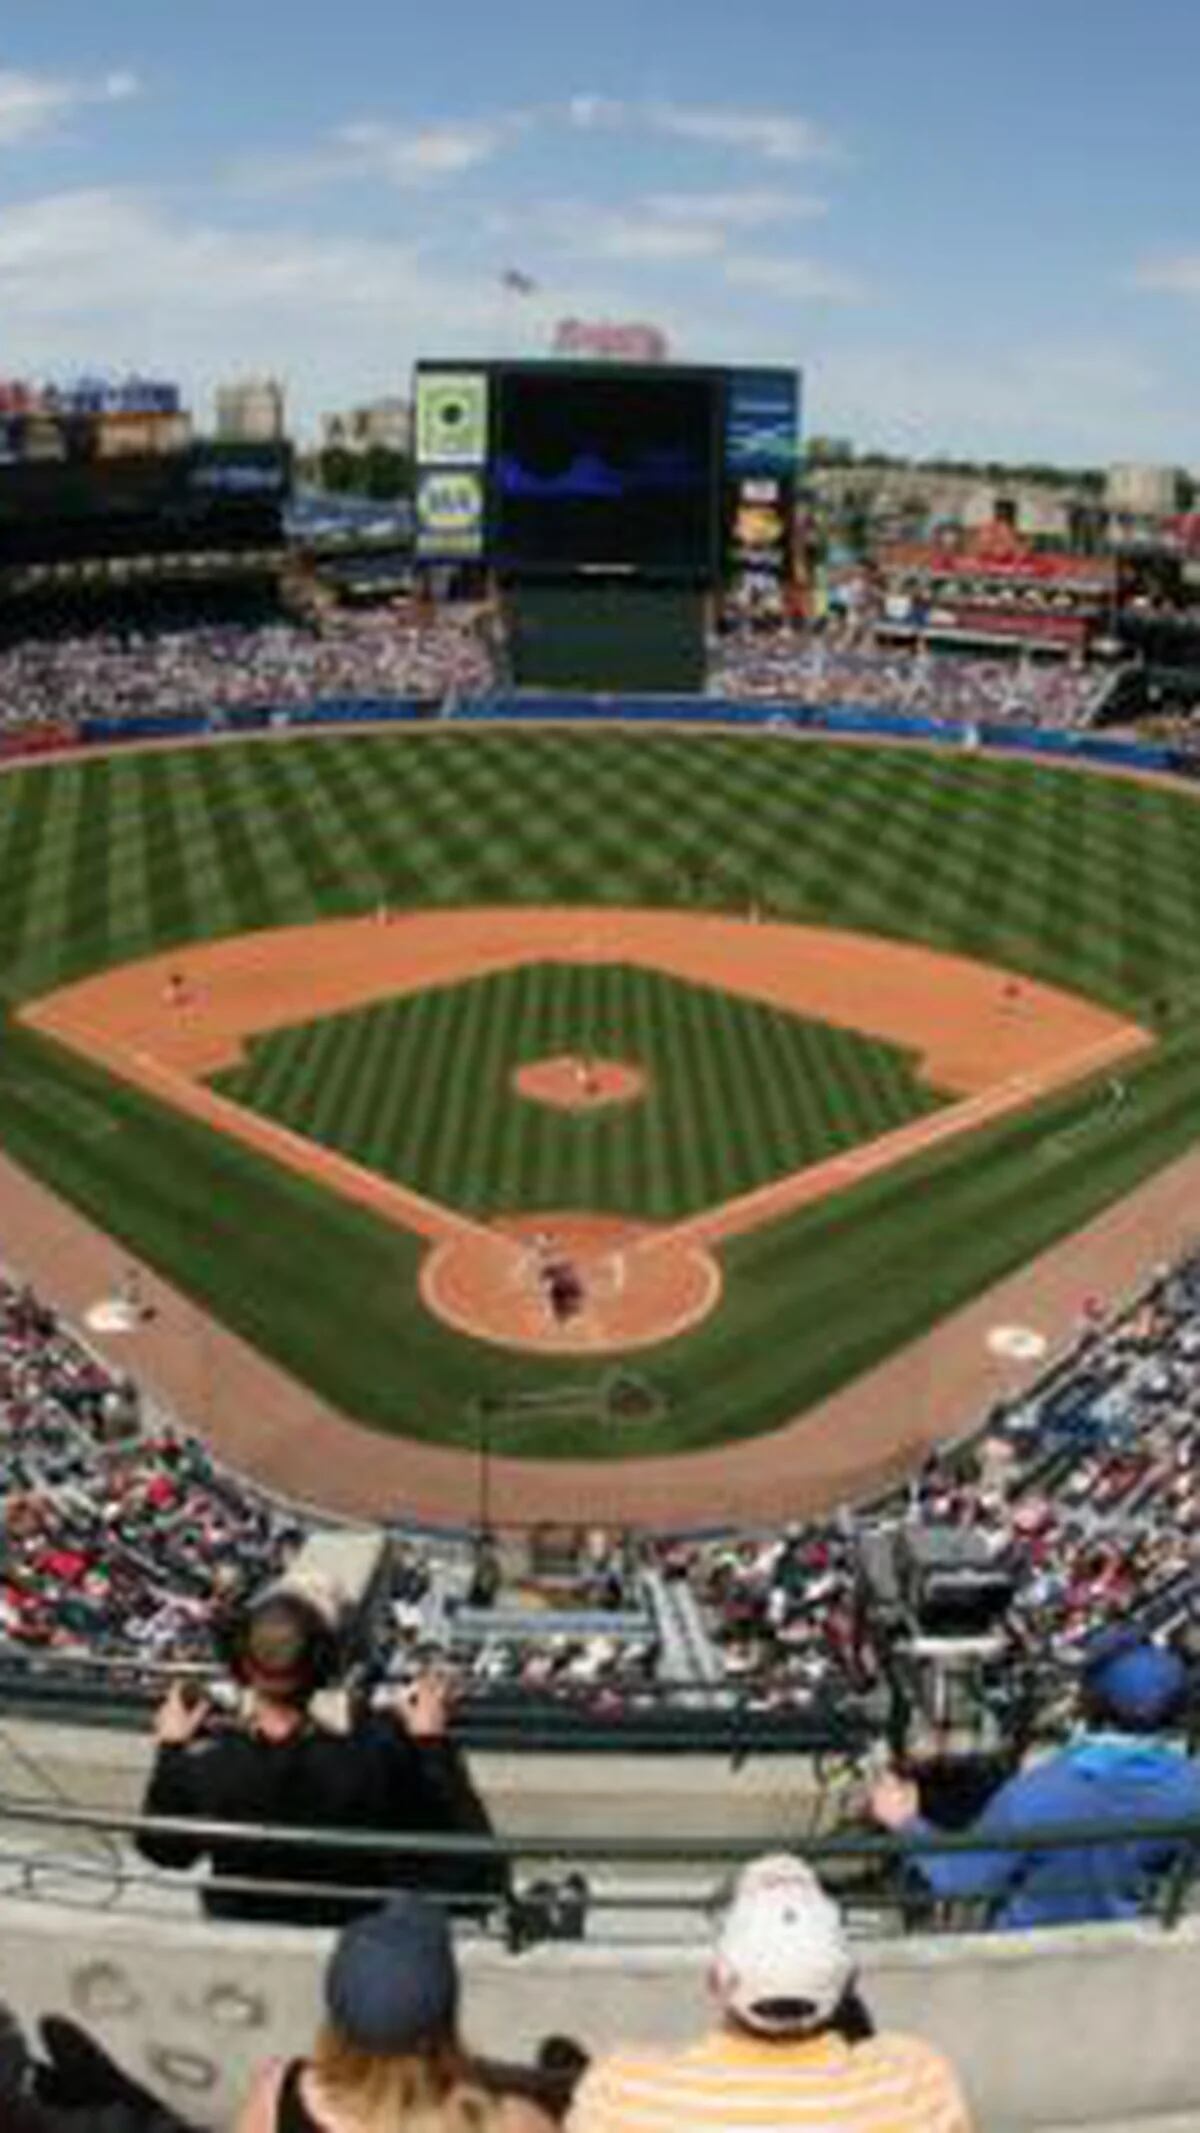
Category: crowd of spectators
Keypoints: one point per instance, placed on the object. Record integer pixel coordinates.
(1089, 1490)
(445, 655)
(823, 670)
(222, 668)
(119, 1538)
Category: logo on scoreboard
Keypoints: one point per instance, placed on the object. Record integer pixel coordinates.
(452, 417)
(450, 513)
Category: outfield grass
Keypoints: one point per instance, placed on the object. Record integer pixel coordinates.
(420, 1088)
(1088, 882)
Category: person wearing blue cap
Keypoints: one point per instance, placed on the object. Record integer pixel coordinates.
(1120, 1768)
(389, 2054)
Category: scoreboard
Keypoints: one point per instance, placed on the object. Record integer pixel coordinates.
(657, 471)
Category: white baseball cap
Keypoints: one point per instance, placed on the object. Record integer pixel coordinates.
(783, 1961)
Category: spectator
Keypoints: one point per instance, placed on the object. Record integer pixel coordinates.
(782, 1979)
(1118, 1770)
(393, 1771)
(76, 2088)
(389, 2054)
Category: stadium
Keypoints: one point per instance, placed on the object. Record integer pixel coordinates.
(682, 1189)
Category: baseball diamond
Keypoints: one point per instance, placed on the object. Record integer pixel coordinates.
(419, 1088)
(1041, 878)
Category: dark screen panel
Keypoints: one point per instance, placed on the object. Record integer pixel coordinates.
(607, 635)
(597, 470)
(208, 496)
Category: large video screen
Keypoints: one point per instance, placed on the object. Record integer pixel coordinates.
(617, 472)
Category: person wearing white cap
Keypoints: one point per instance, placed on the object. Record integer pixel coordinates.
(782, 1977)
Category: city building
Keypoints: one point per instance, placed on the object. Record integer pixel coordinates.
(1140, 490)
(251, 411)
(380, 425)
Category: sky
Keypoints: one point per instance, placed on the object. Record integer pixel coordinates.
(975, 227)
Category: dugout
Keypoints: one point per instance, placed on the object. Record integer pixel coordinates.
(606, 635)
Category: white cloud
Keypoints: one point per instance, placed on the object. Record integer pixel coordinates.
(1169, 274)
(776, 137)
(32, 105)
(414, 156)
(576, 229)
(773, 136)
(794, 279)
(111, 278)
(443, 149)
(590, 112)
(655, 227)
(408, 157)
(748, 209)
(630, 237)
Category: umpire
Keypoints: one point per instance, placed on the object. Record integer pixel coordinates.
(390, 1772)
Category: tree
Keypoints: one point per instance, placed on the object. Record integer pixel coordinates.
(386, 474)
(338, 471)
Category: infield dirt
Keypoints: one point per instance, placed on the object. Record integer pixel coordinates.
(991, 1040)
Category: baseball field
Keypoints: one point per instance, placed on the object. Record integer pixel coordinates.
(1051, 882)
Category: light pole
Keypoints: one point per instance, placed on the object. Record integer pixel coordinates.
(483, 1446)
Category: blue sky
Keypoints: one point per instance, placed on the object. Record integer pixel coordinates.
(977, 228)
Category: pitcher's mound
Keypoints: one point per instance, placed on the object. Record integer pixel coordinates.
(574, 1082)
(570, 1284)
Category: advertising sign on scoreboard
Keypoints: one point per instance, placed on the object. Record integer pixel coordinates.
(762, 423)
(762, 444)
(608, 340)
(452, 418)
(450, 514)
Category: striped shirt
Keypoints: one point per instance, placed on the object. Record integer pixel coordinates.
(736, 2083)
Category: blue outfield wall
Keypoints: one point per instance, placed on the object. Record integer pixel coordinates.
(862, 721)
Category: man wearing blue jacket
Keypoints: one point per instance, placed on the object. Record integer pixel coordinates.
(1121, 1769)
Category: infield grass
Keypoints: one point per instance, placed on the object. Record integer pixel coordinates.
(420, 1089)
(1088, 882)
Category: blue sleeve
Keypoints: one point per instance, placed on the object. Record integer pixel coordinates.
(983, 1873)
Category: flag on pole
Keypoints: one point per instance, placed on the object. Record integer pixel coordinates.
(518, 284)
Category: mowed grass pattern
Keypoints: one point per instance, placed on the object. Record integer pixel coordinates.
(420, 1088)
(1087, 881)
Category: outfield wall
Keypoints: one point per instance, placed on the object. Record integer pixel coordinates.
(857, 721)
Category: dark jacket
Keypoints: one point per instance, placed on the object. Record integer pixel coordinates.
(372, 1779)
(74, 2088)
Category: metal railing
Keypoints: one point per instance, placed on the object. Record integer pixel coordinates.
(680, 1880)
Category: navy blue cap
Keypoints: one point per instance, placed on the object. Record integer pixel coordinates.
(1140, 1684)
(392, 1981)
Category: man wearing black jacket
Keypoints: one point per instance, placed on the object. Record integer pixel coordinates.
(393, 1771)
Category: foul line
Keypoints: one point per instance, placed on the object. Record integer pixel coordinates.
(781, 1196)
(314, 1160)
